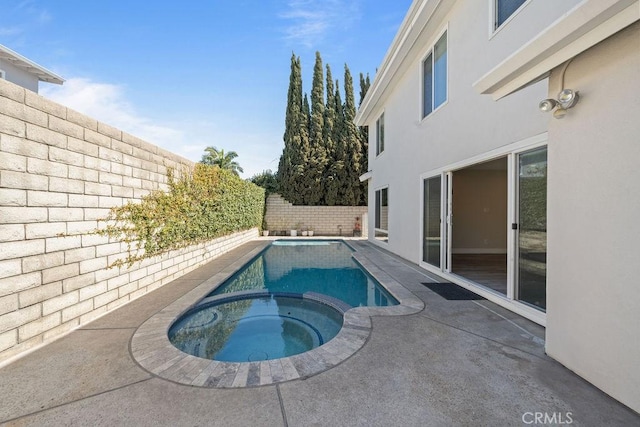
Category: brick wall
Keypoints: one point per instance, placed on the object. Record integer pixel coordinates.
(324, 220)
(60, 172)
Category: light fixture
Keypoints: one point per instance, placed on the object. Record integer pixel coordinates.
(567, 98)
(547, 105)
(559, 113)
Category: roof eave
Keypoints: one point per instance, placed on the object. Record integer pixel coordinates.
(587, 24)
(393, 59)
(31, 67)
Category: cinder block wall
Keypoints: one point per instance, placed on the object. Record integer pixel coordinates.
(280, 261)
(60, 172)
(324, 220)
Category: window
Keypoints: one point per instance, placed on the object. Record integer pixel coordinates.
(504, 9)
(434, 77)
(382, 214)
(2, 74)
(380, 135)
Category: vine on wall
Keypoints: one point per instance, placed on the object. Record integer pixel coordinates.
(201, 204)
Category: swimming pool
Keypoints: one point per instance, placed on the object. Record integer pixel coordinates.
(299, 266)
(153, 351)
(287, 300)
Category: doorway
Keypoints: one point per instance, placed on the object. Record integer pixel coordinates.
(479, 224)
(484, 226)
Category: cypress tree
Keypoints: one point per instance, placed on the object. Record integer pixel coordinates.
(338, 125)
(304, 153)
(292, 136)
(332, 186)
(305, 123)
(315, 173)
(353, 148)
(339, 167)
(365, 83)
(329, 117)
(284, 165)
(324, 151)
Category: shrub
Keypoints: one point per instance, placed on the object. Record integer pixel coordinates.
(267, 180)
(202, 204)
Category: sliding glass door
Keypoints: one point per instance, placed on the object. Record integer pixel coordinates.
(432, 233)
(531, 269)
(498, 244)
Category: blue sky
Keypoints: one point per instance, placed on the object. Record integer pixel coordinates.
(186, 75)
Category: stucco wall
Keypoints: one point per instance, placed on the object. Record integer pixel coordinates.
(467, 125)
(323, 220)
(19, 76)
(593, 314)
(60, 172)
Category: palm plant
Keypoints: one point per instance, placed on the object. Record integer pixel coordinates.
(213, 156)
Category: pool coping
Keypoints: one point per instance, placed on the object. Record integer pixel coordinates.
(152, 350)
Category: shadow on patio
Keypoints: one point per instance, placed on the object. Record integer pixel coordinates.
(457, 362)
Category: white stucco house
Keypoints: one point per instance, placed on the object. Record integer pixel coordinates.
(504, 157)
(22, 71)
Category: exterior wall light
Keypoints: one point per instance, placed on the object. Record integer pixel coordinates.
(567, 98)
(547, 105)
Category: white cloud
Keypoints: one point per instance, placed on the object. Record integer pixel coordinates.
(189, 137)
(10, 31)
(17, 20)
(43, 17)
(313, 20)
(30, 8)
(108, 104)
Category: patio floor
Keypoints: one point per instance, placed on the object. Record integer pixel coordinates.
(454, 363)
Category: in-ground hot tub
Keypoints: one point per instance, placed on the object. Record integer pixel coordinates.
(255, 326)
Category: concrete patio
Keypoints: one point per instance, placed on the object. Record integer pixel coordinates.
(454, 363)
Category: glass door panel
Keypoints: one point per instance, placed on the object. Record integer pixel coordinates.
(532, 228)
(431, 242)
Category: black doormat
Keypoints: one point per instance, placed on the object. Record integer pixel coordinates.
(452, 292)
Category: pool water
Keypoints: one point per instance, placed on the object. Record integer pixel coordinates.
(288, 300)
(321, 266)
(253, 329)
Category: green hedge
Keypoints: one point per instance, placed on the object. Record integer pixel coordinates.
(533, 203)
(202, 204)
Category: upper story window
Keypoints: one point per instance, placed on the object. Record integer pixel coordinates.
(434, 77)
(380, 135)
(504, 9)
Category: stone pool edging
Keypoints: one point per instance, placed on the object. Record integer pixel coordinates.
(152, 350)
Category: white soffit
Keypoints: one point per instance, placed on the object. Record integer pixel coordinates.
(587, 24)
(21, 62)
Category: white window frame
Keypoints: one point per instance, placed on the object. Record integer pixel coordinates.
(494, 28)
(377, 209)
(431, 51)
(380, 135)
